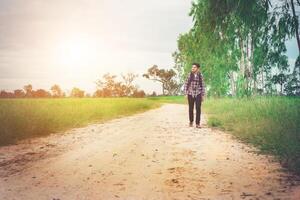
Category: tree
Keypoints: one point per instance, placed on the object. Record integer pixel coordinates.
(296, 22)
(128, 83)
(239, 44)
(19, 93)
(56, 91)
(108, 86)
(293, 80)
(4, 94)
(41, 93)
(285, 12)
(153, 94)
(28, 90)
(76, 92)
(165, 77)
(280, 79)
(138, 93)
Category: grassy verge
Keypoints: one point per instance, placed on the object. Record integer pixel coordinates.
(25, 118)
(270, 123)
(169, 99)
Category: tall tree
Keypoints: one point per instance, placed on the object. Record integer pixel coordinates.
(56, 91)
(128, 82)
(18, 93)
(166, 77)
(239, 44)
(28, 90)
(76, 92)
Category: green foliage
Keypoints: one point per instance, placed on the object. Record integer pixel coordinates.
(241, 46)
(165, 77)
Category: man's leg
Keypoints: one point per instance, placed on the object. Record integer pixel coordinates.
(198, 109)
(191, 108)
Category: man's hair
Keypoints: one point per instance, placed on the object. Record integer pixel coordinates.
(197, 64)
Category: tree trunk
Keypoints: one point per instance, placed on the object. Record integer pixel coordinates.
(242, 65)
(232, 83)
(252, 74)
(262, 81)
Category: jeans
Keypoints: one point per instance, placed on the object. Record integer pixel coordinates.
(194, 100)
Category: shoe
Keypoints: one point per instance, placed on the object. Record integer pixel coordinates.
(198, 126)
(191, 124)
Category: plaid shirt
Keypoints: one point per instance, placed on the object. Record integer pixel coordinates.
(196, 87)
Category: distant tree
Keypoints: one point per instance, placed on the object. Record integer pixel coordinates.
(153, 94)
(28, 90)
(165, 77)
(128, 83)
(41, 93)
(76, 92)
(279, 79)
(120, 90)
(56, 91)
(19, 93)
(292, 87)
(4, 94)
(138, 93)
(98, 93)
(108, 86)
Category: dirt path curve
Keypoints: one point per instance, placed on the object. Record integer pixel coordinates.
(151, 155)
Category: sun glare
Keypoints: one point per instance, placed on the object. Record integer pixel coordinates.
(77, 52)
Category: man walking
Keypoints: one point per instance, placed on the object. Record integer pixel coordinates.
(194, 89)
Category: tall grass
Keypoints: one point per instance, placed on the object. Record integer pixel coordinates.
(270, 123)
(24, 118)
(169, 99)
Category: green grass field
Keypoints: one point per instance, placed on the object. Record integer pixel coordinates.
(168, 99)
(270, 123)
(25, 118)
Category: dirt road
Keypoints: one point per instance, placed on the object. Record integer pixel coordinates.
(152, 155)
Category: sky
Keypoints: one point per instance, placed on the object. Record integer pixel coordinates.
(73, 43)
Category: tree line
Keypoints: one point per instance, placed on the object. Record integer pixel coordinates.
(241, 46)
(107, 86)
